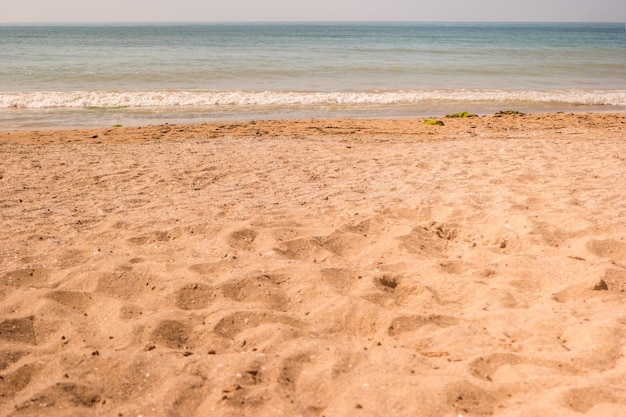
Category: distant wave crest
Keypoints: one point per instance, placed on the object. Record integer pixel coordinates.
(169, 98)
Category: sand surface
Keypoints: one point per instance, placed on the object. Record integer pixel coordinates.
(316, 268)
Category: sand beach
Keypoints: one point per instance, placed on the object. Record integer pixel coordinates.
(339, 267)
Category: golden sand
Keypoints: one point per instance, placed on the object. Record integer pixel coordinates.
(316, 268)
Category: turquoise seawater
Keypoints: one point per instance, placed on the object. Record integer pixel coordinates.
(56, 75)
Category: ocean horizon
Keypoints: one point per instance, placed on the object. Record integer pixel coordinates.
(95, 74)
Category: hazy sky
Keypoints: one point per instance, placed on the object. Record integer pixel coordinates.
(309, 10)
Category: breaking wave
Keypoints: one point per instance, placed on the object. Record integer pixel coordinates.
(203, 98)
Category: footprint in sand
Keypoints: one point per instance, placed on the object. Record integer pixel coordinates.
(341, 279)
(194, 296)
(20, 330)
(258, 288)
(243, 239)
(70, 258)
(485, 368)
(390, 289)
(64, 395)
(9, 357)
(345, 244)
(174, 334)
(187, 396)
(582, 400)
(468, 398)
(159, 236)
(613, 249)
(18, 380)
(75, 300)
(124, 284)
(240, 321)
(130, 311)
(309, 249)
(35, 277)
(502, 367)
(430, 241)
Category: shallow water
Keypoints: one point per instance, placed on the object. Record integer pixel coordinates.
(151, 73)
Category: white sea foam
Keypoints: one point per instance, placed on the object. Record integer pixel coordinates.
(203, 98)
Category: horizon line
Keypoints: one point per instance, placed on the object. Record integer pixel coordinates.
(111, 22)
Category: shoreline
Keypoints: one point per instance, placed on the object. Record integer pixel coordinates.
(353, 127)
(295, 106)
(336, 267)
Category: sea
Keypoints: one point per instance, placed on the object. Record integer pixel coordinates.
(88, 75)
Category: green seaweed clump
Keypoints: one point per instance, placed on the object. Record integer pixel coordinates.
(460, 115)
(117, 125)
(433, 122)
(505, 112)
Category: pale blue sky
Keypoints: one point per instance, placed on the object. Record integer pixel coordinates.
(309, 10)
